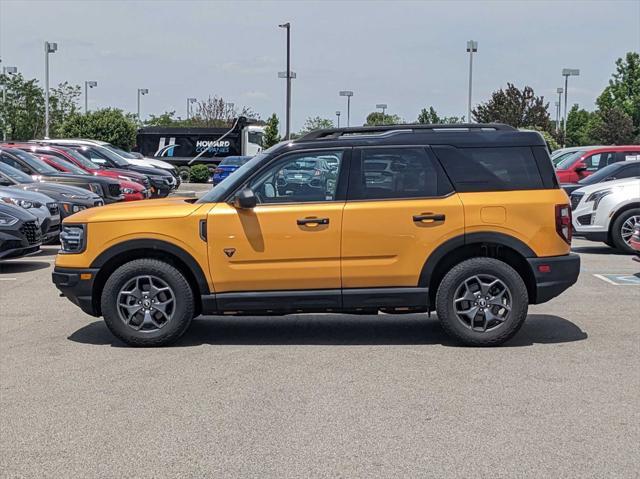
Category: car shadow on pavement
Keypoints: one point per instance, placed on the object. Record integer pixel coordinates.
(22, 267)
(337, 330)
(597, 250)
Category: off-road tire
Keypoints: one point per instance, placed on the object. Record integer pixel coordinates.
(616, 231)
(184, 299)
(185, 174)
(478, 266)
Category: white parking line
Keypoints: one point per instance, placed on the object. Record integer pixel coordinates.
(610, 281)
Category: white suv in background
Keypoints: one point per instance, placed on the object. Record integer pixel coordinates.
(607, 212)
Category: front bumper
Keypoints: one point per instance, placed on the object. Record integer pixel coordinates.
(553, 275)
(77, 286)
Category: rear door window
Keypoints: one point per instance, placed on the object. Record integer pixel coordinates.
(486, 169)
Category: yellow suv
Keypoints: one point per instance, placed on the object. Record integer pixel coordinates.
(466, 220)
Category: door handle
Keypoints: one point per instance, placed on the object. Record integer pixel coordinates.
(313, 222)
(428, 218)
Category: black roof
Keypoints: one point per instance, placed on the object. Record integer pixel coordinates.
(462, 135)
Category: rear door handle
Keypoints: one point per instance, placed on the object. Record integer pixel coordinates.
(428, 218)
(313, 221)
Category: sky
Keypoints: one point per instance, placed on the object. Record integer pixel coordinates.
(408, 55)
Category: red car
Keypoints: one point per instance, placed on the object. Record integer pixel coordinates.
(132, 191)
(583, 163)
(72, 156)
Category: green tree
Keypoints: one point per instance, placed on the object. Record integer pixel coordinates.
(515, 107)
(166, 119)
(431, 117)
(377, 118)
(271, 136)
(315, 123)
(578, 121)
(623, 91)
(22, 114)
(63, 102)
(552, 143)
(108, 124)
(611, 126)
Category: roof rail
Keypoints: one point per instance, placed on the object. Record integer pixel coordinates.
(332, 133)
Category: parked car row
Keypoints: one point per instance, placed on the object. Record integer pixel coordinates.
(49, 180)
(604, 185)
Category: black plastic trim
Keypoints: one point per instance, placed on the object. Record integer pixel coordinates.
(564, 272)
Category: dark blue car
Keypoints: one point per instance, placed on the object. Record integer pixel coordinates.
(227, 166)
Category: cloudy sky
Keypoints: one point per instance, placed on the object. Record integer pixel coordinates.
(406, 54)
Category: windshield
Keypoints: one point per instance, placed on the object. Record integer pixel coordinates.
(80, 158)
(558, 158)
(117, 159)
(40, 166)
(67, 165)
(118, 151)
(17, 175)
(567, 161)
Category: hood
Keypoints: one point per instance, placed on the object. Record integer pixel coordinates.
(17, 192)
(630, 184)
(59, 191)
(151, 162)
(16, 212)
(150, 170)
(134, 175)
(174, 207)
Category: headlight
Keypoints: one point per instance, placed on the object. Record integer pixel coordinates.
(7, 219)
(96, 188)
(26, 204)
(72, 208)
(74, 196)
(128, 191)
(73, 238)
(597, 197)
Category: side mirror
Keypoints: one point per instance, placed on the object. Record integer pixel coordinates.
(245, 199)
(580, 167)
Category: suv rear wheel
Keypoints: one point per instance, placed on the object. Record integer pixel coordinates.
(482, 302)
(622, 229)
(147, 302)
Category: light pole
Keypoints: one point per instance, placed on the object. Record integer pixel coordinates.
(189, 102)
(559, 112)
(48, 48)
(141, 91)
(383, 107)
(6, 71)
(87, 85)
(287, 26)
(348, 94)
(472, 47)
(338, 117)
(566, 73)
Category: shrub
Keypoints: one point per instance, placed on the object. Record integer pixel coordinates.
(199, 174)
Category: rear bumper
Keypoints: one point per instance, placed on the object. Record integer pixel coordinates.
(553, 275)
(78, 290)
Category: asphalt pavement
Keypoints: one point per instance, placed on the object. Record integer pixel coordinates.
(322, 395)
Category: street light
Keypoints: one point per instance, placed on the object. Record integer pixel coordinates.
(189, 102)
(338, 116)
(348, 94)
(382, 106)
(472, 47)
(558, 112)
(6, 71)
(566, 73)
(287, 26)
(48, 48)
(87, 85)
(141, 91)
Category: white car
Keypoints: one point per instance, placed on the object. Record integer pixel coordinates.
(607, 212)
(125, 155)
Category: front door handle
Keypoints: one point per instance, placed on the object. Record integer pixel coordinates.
(428, 218)
(313, 222)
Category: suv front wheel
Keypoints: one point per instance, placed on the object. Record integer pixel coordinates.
(482, 302)
(147, 302)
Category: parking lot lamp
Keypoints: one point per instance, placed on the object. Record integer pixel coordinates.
(189, 102)
(6, 71)
(566, 73)
(558, 112)
(141, 91)
(348, 94)
(287, 26)
(48, 48)
(338, 117)
(87, 85)
(472, 47)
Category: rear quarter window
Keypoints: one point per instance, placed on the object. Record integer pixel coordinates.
(490, 169)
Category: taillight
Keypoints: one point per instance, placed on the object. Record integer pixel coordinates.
(563, 222)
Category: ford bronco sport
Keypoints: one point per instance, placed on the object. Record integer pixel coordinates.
(466, 220)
